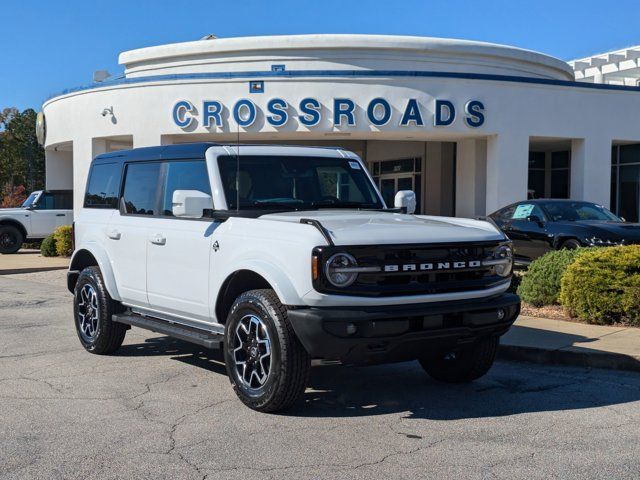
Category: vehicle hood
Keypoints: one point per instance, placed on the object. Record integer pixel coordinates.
(606, 229)
(358, 227)
(12, 212)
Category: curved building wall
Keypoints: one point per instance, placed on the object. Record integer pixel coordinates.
(485, 105)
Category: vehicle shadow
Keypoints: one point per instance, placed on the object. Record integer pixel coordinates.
(179, 350)
(509, 388)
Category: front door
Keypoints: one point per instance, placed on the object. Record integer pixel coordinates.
(392, 184)
(179, 249)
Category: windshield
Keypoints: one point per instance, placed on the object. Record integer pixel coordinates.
(30, 199)
(296, 183)
(575, 211)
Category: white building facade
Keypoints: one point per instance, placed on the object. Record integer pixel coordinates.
(470, 126)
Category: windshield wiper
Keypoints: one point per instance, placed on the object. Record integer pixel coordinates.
(273, 205)
(338, 204)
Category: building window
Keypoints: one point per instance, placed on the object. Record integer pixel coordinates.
(549, 174)
(560, 174)
(537, 174)
(391, 176)
(625, 181)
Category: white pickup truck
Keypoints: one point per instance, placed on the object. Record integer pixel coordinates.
(40, 214)
(279, 255)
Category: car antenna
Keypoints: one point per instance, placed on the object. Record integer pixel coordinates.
(238, 168)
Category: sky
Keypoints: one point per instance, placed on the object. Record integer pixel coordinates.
(48, 46)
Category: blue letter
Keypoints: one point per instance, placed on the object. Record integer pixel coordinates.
(474, 116)
(278, 107)
(439, 120)
(310, 108)
(343, 107)
(180, 111)
(412, 114)
(211, 110)
(251, 112)
(386, 114)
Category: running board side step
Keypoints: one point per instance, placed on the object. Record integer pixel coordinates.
(198, 336)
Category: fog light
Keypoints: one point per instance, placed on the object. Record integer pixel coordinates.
(351, 329)
(501, 314)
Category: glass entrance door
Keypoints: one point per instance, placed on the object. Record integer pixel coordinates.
(392, 184)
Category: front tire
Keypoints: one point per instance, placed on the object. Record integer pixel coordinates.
(11, 239)
(464, 365)
(570, 244)
(92, 309)
(267, 365)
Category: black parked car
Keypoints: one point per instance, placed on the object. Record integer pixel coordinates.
(539, 226)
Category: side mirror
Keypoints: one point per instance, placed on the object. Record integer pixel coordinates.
(406, 200)
(190, 203)
(535, 218)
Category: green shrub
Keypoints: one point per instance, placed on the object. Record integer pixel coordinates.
(541, 284)
(603, 286)
(64, 243)
(48, 247)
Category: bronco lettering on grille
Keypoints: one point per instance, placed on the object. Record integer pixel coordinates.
(424, 267)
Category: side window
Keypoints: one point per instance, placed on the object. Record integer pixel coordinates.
(46, 201)
(141, 188)
(525, 210)
(506, 213)
(103, 186)
(191, 175)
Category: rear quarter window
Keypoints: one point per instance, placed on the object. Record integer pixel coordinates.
(103, 186)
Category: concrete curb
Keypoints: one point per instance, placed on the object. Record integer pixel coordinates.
(592, 359)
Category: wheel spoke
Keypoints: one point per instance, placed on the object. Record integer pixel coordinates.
(252, 351)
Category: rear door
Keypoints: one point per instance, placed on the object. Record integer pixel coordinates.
(128, 231)
(179, 249)
(63, 202)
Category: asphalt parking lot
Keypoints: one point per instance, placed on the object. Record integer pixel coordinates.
(164, 409)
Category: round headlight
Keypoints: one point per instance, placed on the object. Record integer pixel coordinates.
(337, 269)
(504, 253)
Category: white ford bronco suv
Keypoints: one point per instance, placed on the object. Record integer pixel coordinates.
(280, 255)
(41, 213)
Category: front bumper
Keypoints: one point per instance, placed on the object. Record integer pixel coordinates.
(380, 334)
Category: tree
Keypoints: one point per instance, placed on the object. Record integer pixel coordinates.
(21, 157)
(14, 198)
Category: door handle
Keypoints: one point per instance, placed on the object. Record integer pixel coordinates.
(158, 239)
(114, 235)
(60, 215)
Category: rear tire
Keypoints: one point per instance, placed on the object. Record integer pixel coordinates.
(92, 310)
(11, 239)
(464, 365)
(267, 365)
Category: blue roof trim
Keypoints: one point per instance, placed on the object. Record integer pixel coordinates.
(345, 73)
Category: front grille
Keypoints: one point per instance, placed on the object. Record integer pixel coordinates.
(438, 279)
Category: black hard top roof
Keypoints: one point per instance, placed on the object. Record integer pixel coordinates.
(165, 152)
(177, 151)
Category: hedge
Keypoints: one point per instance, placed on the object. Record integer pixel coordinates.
(541, 284)
(64, 242)
(48, 247)
(603, 286)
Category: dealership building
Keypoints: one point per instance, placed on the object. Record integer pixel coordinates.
(469, 126)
